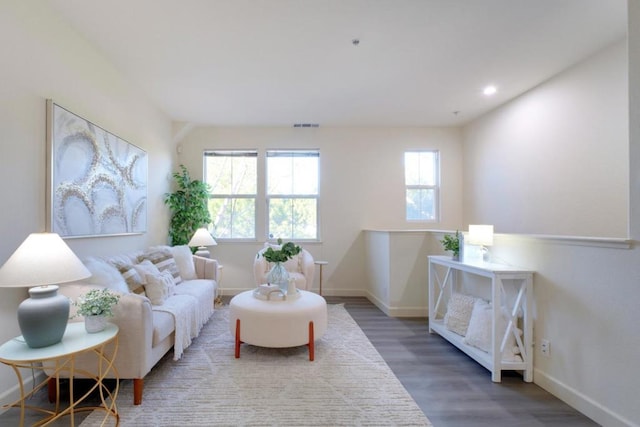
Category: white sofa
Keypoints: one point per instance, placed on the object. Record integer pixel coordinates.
(148, 331)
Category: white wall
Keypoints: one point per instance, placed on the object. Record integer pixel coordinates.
(397, 270)
(362, 182)
(524, 169)
(42, 58)
(554, 160)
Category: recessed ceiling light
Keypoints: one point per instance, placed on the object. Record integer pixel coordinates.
(489, 90)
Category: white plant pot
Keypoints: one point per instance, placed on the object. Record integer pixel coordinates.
(95, 324)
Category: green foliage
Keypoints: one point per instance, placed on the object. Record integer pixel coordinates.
(95, 302)
(188, 206)
(287, 251)
(452, 243)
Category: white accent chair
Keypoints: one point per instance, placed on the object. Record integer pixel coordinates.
(301, 267)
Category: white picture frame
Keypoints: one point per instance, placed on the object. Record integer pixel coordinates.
(97, 182)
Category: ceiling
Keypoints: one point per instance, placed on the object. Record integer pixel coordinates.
(281, 62)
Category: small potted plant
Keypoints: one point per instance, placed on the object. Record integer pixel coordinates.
(96, 305)
(452, 243)
(278, 273)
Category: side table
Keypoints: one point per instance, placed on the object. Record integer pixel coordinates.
(321, 264)
(59, 358)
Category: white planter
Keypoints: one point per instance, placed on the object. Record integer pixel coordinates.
(95, 324)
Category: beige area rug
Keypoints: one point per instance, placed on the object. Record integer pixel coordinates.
(348, 384)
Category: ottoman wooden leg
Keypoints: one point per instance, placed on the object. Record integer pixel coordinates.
(311, 342)
(237, 338)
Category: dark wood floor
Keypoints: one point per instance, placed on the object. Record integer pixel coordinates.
(450, 388)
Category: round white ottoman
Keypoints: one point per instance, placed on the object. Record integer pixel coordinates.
(282, 323)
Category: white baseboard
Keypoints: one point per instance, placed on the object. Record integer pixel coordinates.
(592, 409)
(13, 393)
(392, 311)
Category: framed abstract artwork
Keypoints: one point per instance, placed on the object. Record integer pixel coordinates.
(97, 182)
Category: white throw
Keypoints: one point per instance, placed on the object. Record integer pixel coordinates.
(186, 317)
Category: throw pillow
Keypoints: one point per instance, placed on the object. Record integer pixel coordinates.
(184, 259)
(479, 330)
(164, 261)
(130, 275)
(133, 279)
(459, 312)
(159, 287)
(104, 274)
(144, 268)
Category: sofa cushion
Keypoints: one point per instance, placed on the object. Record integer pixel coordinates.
(163, 326)
(184, 259)
(105, 274)
(204, 292)
(164, 261)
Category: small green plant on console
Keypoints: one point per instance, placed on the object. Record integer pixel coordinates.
(452, 243)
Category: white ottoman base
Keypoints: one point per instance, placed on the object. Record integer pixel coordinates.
(276, 324)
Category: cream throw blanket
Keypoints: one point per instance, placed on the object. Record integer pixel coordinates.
(186, 313)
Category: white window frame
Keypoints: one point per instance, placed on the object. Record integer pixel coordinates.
(255, 197)
(268, 197)
(435, 186)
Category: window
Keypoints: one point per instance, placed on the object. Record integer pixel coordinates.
(292, 194)
(421, 172)
(232, 176)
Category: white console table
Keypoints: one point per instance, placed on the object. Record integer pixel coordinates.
(443, 279)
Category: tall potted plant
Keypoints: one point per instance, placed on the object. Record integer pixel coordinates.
(189, 207)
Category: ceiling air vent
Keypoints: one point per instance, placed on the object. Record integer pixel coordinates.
(306, 125)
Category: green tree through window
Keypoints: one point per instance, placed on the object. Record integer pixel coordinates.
(232, 176)
(292, 194)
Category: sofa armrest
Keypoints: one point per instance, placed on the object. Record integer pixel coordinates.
(206, 268)
(134, 317)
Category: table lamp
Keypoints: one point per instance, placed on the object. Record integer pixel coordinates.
(41, 262)
(202, 238)
(481, 235)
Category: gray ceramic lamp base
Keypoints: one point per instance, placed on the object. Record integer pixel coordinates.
(43, 317)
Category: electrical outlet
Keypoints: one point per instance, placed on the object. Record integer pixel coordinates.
(545, 347)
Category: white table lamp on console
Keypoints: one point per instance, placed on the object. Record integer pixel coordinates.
(202, 238)
(482, 236)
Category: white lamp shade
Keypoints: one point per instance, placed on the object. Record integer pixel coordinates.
(202, 237)
(481, 235)
(42, 259)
